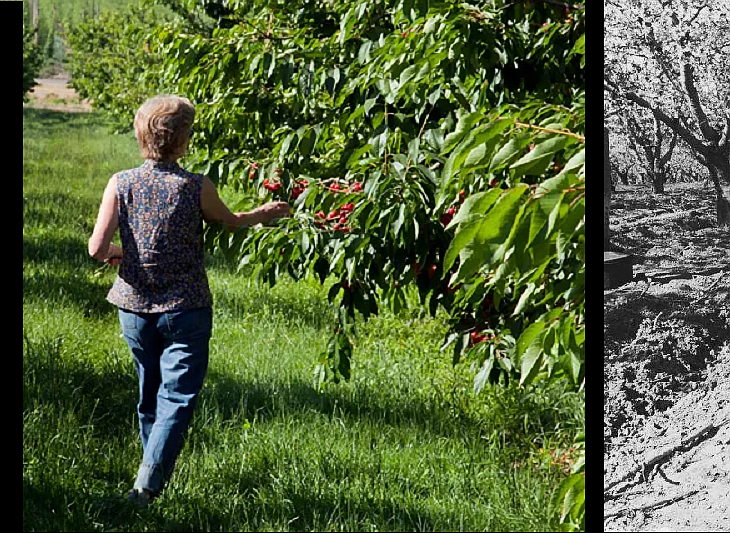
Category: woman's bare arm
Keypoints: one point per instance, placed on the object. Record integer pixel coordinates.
(100, 243)
(214, 210)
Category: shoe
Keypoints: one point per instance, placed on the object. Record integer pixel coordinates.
(141, 497)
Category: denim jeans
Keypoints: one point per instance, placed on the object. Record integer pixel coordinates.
(170, 353)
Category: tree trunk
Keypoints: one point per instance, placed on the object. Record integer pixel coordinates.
(34, 21)
(657, 182)
(723, 201)
(606, 190)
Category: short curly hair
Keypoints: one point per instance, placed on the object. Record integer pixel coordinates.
(162, 127)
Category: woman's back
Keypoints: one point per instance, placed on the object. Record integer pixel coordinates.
(161, 228)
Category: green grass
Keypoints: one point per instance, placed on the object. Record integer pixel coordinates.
(404, 446)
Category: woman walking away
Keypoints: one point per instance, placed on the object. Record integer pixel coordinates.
(165, 305)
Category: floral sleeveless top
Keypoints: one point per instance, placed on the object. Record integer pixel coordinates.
(161, 228)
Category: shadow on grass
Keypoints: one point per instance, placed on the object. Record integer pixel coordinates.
(106, 398)
(261, 400)
(314, 312)
(43, 119)
(314, 511)
(103, 398)
(58, 273)
(59, 210)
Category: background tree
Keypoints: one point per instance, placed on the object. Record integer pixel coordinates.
(647, 148)
(688, 45)
(32, 61)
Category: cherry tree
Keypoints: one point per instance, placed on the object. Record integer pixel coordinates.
(670, 58)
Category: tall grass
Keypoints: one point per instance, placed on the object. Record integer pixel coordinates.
(404, 446)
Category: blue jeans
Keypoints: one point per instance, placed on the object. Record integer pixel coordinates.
(170, 353)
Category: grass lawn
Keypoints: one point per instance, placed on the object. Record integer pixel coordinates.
(404, 446)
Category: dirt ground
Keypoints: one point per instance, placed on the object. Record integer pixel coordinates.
(54, 93)
(666, 365)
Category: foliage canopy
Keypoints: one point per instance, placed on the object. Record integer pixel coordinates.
(432, 143)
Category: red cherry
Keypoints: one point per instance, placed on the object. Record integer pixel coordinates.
(255, 166)
(451, 211)
(445, 219)
(251, 175)
(357, 187)
(405, 33)
(319, 214)
(278, 171)
(343, 219)
(432, 271)
(494, 182)
(333, 215)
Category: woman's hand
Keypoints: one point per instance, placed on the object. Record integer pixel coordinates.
(268, 212)
(115, 255)
(261, 215)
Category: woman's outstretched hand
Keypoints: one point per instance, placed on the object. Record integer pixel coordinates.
(272, 210)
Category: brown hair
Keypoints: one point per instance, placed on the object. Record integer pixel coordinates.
(162, 127)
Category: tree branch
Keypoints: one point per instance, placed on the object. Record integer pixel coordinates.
(664, 160)
(694, 102)
(690, 21)
(672, 123)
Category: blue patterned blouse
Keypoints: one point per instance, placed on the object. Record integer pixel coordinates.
(161, 228)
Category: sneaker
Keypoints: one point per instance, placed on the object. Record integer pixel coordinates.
(141, 497)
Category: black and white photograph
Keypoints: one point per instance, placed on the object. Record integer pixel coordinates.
(666, 265)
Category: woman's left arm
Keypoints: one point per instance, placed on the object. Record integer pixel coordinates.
(100, 243)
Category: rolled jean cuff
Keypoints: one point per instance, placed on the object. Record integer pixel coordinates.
(149, 477)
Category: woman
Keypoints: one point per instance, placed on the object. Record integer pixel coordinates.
(162, 289)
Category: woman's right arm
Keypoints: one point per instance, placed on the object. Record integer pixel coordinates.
(214, 210)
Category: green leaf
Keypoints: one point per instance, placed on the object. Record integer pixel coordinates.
(407, 74)
(530, 362)
(483, 375)
(320, 376)
(537, 222)
(398, 224)
(306, 142)
(476, 203)
(413, 147)
(465, 233)
(285, 145)
(498, 222)
(524, 299)
(363, 55)
(578, 160)
(529, 335)
(464, 126)
(537, 160)
(476, 155)
(346, 24)
(505, 154)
